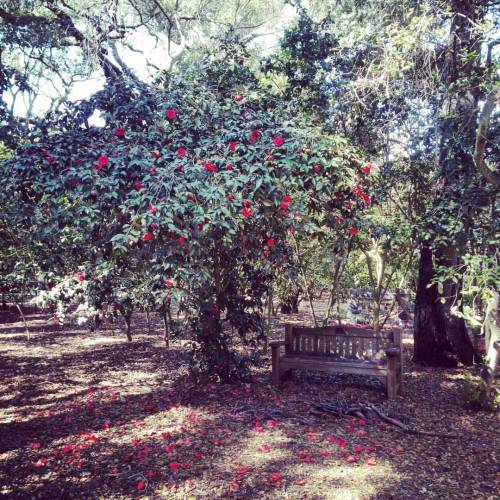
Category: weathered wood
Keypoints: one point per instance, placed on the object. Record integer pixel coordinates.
(341, 349)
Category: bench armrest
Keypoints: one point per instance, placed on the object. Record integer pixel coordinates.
(276, 344)
(392, 351)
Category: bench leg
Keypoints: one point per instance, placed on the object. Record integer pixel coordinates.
(276, 366)
(392, 377)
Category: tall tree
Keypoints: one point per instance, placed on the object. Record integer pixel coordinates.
(441, 336)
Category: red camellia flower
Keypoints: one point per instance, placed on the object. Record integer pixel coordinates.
(139, 186)
(140, 485)
(229, 167)
(181, 240)
(102, 162)
(353, 231)
(367, 198)
(155, 155)
(169, 283)
(366, 169)
(286, 199)
(238, 98)
(174, 466)
(278, 141)
(246, 203)
(120, 132)
(357, 191)
(210, 167)
(247, 212)
(147, 236)
(153, 170)
(80, 277)
(41, 462)
(232, 145)
(181, 152)
(270, 242)
(151, 208)
(230, 197)
(170, 114)
(254, 135)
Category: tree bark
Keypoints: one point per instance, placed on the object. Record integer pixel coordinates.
(439, 335)
(492, 345)
(432, 347)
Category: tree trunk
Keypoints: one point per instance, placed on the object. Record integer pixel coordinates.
(439, 335)
(127, 316)
(432, 348)
(290, 305)
(492, 347)
(23, 318)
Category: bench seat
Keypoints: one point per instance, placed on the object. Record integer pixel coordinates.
(341, 350)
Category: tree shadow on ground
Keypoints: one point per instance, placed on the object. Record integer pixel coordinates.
(98, 412)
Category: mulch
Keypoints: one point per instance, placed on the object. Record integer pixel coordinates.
(88, 415)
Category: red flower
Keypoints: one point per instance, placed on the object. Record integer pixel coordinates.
(80, 277)
(101, 163)
(286, 199)
(139, 186)
(170, 114)
(366, 169)
(40, 462)
(153, 170)
(230, 197)
(278, 141)
(151, 208)
(351, 459)
(120, 132)
(247, 212)
(357, 191)
(246, 203)
(181, 152)
(140, 485)
(254, 135)
(155, 154)
(361, 422)
(317, 168)
(270, 242)
(232, 146)
(169, 283)
(353, 231)
(147, 236)
(367, 198)
(210, 167)
(238, 98)
(181, 240)
(35, 445)
(229, 167)
(174, 466)
(275, 477)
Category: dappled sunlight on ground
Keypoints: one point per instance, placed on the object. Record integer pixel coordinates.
(89, 415)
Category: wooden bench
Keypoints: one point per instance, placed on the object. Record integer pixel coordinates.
(341, 349)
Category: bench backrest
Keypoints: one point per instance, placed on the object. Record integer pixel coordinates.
(338, 341)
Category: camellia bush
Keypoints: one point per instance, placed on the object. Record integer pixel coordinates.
(196, 183)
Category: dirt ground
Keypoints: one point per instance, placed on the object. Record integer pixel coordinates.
(88, 415)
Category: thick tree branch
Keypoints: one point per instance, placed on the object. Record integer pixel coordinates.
(482, 138)
(110, 70)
